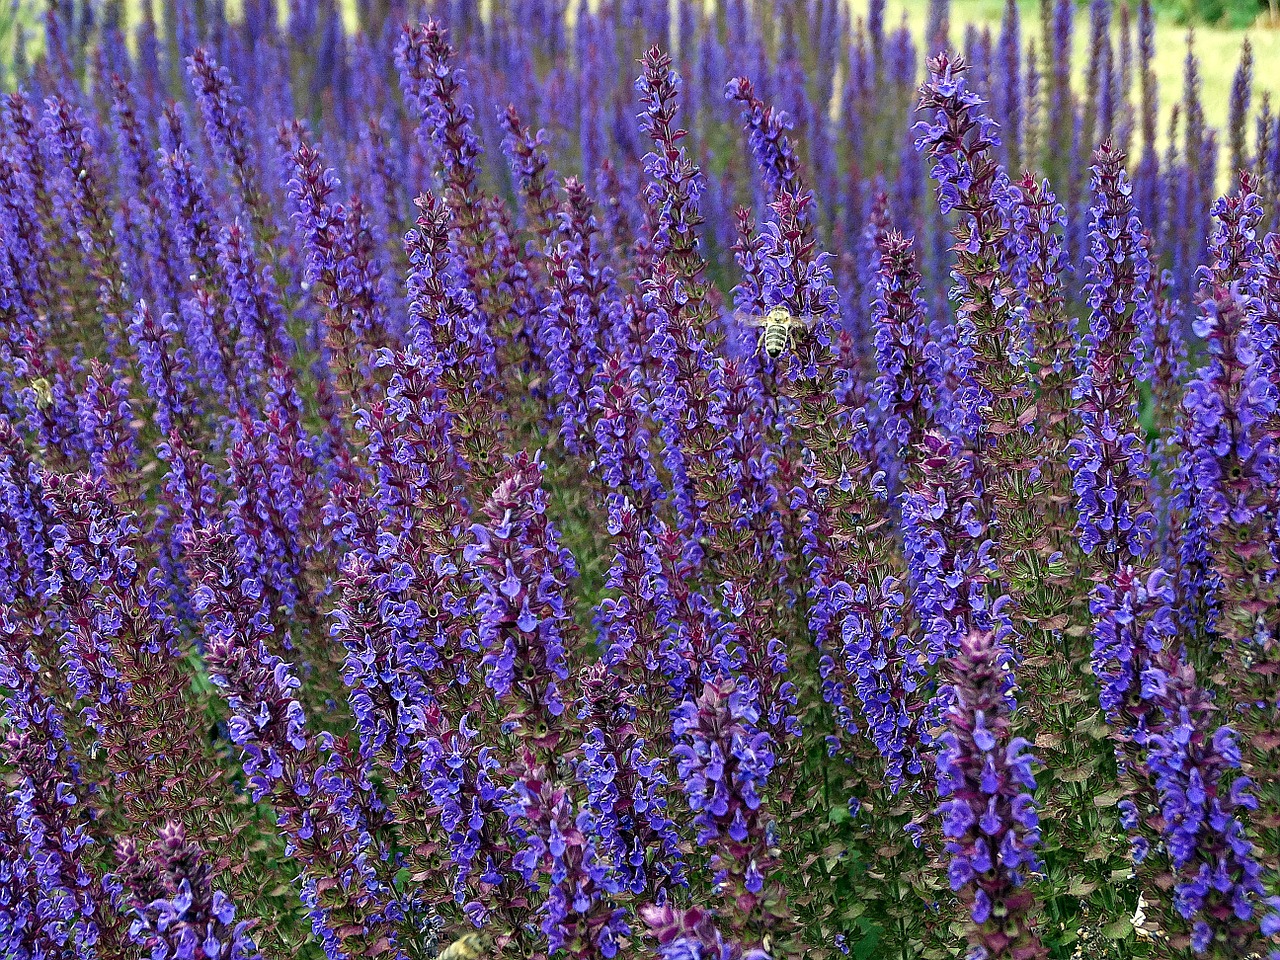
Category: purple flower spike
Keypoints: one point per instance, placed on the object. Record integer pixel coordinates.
(987, 814)
(524, 623)
(168, 890)
(724, 759)
(1109, 455)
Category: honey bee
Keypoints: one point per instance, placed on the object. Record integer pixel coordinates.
(779, 329)
(44, 393)
(469, 946)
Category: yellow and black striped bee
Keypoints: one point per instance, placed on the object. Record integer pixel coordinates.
(469, 946)
(779, 329)
(44, 393)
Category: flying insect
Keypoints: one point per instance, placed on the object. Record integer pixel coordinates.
(43, 393)
(469, 946)
(779, 329)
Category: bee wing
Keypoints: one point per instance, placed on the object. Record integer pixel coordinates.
(749, 319)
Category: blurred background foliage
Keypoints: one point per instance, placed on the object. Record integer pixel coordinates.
(1217, 30)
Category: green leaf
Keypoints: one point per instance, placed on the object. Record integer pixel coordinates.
(1118, 929)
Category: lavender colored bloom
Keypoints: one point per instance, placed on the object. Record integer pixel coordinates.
(987, 813)
(1227, 401)
(1098, 108)
(577, 316)
(176, 912)
(282, 759)
(1041, 271)
(724, 761)
(47, 900)
(627, 787)
(1058, 50)
(1109, 456)
(579, 915)
(81, 192)
(226, 125)
(139, 182)
(165, 366)
(524, 624)
(1238, 110)
(908, 358)
(1217, 878)
(1007, 88)
(961, 140)
(1226, 457)
(1132, 625)
(767, 135)
(48, 904)
(693, 935)
(447, 329)
(341, 265)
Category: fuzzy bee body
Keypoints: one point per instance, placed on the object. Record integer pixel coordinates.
(469, 946)
(43, 393)
(779, 329)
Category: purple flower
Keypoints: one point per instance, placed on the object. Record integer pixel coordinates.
(341, 266)
(81, 194)
(1109, 455)
(767, 128)
(693, 934)
(176, 912)
(987, 813)
(909, 360)
(579, 915)
(226, 125)
(321, 808)
(523, 574)
(724, 760)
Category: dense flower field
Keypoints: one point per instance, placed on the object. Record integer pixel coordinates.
(747, 518)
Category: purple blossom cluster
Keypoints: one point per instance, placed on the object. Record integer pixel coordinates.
(632, 479)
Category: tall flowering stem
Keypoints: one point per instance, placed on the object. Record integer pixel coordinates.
(721, 498)
(724, 759)
(165, 366)
(690, 391)
(853, 596)
(48, 901)
(1172, 764)
(951, 566)
(1203, 812)
(124, 654)
(81, 192)
(531, 166)
(1231, 470)
(435, 86)
(987, 812)
(1109, 455)
(627, 788)
(524, 626)
(341, 266)
(226, 125)
(1037, 237)
(674, 188)
(997, 404)
(767, 128)
(168, 890)
(575, 319)
(580, 917)
(119, 646)
(909, 360)
(447, 328)
(316, 802)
